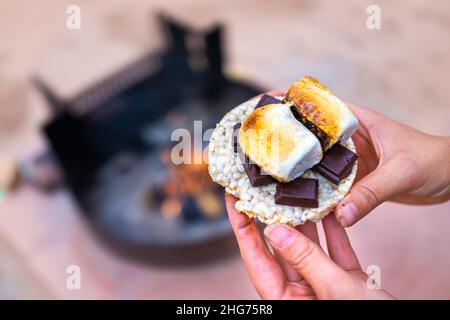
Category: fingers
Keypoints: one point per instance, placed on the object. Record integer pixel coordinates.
(326, 278)
(386, 181)
(266, 275)
(384, 171)
(291, 274)
(309, 229)
(338, 244)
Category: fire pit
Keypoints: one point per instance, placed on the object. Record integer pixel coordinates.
(113, 142)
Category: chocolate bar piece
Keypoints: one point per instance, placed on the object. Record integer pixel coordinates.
(255, 175)
(300, 192)
(336, 164)
(237, 126)
(265, 100)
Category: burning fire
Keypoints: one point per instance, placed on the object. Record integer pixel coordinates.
(188, 180)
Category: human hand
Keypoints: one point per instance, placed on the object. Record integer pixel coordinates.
(397, 163)
(299, 268)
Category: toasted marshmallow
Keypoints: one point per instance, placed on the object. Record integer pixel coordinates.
(321, 111)
(279, 144)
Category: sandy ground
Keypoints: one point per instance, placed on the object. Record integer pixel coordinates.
(402, 70)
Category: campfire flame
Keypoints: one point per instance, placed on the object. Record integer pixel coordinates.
(188, 180)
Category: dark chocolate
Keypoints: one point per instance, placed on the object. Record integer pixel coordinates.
(256, 176)
(236, 128)
(300, 192)
(336, 164)
(265, 100)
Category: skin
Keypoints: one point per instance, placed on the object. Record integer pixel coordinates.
(299, 268)
(391, 167)
(396, 163)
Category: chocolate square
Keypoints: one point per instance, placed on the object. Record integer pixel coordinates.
(300, 192)
(236, 128)
(336, 164)
(256, 176)
(265, 100)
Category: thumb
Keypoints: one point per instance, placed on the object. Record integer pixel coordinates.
(325, 277)
(380, 185)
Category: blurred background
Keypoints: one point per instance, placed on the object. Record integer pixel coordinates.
(86, 116)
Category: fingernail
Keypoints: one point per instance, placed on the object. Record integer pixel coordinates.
(278, 235)
(347, 214)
